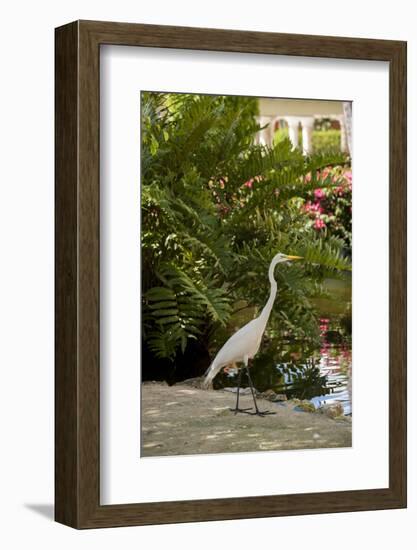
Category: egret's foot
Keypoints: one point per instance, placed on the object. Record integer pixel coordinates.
(263, 413)
(237, 410)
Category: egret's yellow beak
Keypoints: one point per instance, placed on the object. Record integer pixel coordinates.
(294, 257)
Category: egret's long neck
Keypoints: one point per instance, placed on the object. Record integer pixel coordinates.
(268, 306)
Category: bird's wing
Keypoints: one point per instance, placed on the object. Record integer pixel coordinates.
(242, 343)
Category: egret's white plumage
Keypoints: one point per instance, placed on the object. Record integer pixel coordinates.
(244, 344)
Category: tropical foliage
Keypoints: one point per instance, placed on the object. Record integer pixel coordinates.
(215, 209)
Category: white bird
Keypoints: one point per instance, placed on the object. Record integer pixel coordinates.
(244, 344)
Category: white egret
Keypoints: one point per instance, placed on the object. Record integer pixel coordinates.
(244, 344)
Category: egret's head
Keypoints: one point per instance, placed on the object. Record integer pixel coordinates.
(280, 258)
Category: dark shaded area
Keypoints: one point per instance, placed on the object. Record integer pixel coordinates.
(190, 364)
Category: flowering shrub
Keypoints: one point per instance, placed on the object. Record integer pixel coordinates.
(329, 209)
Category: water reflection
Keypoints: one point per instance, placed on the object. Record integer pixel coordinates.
(336, 365)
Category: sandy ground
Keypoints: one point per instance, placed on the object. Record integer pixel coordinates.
(183, 420)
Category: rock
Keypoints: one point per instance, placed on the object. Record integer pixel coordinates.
(332, 410)
(280, 397)
(270, 395)
(305, 406)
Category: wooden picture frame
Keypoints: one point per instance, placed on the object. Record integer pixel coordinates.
(77, 382)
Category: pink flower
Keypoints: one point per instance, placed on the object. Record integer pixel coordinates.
(324, 325)
(319, 223)
(319, 194)
(313, 207)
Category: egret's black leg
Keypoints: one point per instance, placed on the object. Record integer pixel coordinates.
(257, 411)
(236, 409)
(239, 377)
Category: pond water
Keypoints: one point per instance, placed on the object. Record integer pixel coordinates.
(322, 375)
(335, 362)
